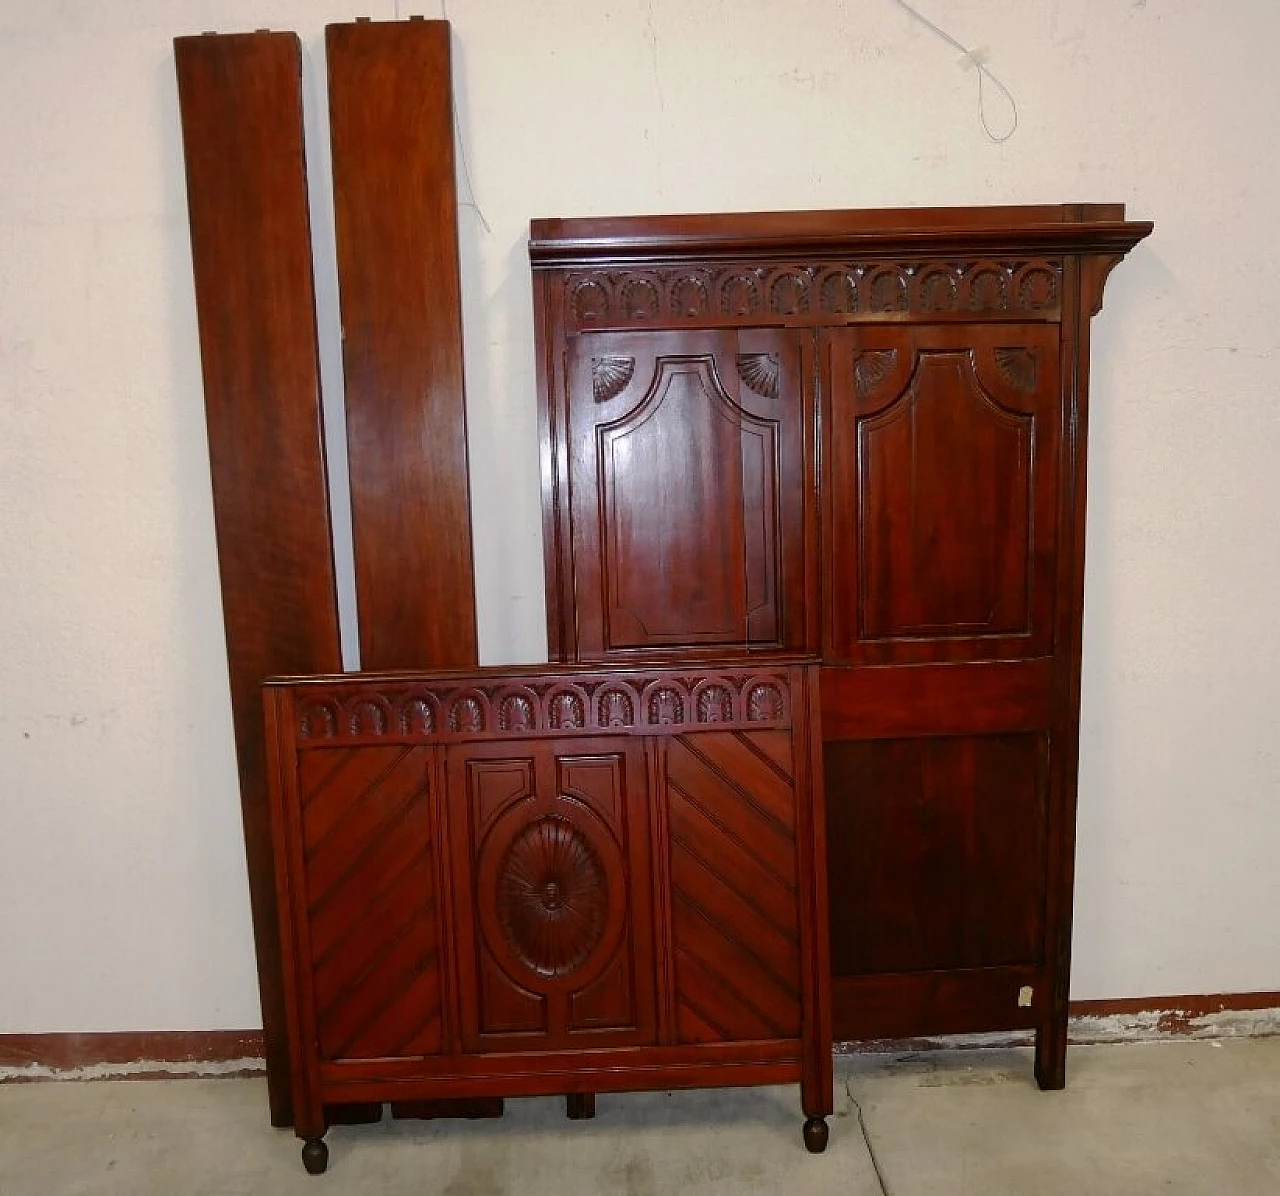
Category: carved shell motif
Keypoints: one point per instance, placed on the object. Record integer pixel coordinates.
(553, 897)
(610, 375)
(760, 372)
(1017, 367)
(871, 369)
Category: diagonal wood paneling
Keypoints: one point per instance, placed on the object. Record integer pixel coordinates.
(367, 836)
(731, 813)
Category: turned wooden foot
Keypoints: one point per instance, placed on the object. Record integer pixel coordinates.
(815, 1135)
(315, 1156)
(580, 1106)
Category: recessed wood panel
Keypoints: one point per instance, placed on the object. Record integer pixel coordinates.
(395, 207)
(736, 939)
(943, 497)
(241, 102)
(688, 501)
(562, 946)
(371, 901)
(936, 852)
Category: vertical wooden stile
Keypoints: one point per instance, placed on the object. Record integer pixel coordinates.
(241, 104)
(395, 204)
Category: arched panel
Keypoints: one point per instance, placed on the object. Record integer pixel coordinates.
(945, 487)
(688, 488)
(942, 496)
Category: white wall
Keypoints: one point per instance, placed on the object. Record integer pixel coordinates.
(122, 889)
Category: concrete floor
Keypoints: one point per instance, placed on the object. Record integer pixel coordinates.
(1191, 1118)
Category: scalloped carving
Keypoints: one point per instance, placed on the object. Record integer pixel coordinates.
(553, 897)
(760, 371)
(566, 709)
(614, 708)
(366, 717)
(640, 299)
(318, 722)
(517, 714)
(796, 289)
(417, 717)
(1038, 289)
(872, 368)
(689, 297)
(590, 302)
(938, 291)
(666, 705)
(839, 293)
(715, 705)
(1018, 367)
(988, 289)
(467, 715)
(610, 375)
(889, 291)
(739, 295)
(789, 294)
(764, 703)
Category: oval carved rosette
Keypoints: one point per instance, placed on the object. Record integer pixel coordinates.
(552, 895)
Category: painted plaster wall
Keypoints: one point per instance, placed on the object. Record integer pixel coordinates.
(122, 891)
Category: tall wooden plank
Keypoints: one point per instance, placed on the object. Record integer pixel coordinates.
(395, 204)
(241, 102)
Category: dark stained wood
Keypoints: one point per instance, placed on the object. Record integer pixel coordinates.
(241, 104)
(939, 416)
(395, 206)
(948, 1001)
(952, 825)
(943, 492)
(534, 881)
(892, 702)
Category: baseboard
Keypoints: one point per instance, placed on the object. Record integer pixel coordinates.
(167, 1054)
(1118, 1020)
(146, 1054)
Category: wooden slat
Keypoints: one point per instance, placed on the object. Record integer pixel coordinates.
(958, 1001)
(395, 206)
(937, 699)
(241, 103)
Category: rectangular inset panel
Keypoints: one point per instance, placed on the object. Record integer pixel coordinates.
(734, 905)
(688, 490)
(944, 491)
(241, 105)
(371, 902)
(952, 828)
(556, 940)
(395, 206)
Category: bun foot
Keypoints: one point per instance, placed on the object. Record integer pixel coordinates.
(315, 1156)
(815, 1135)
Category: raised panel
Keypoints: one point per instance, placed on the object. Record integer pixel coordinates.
(937, 852)
(945, 496)
(688, 500)
(943, 492)
(734, 911)
(558, 929)
(371, 902)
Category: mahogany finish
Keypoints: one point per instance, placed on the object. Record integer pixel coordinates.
(533, 881)
(241, 104)
(395, 207)
(859, 434)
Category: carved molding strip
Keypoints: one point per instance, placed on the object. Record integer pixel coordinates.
(744, 292)
(427, 711)
(610, 375)
(760, 372)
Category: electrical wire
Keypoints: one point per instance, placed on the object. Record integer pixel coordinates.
(975, 59)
